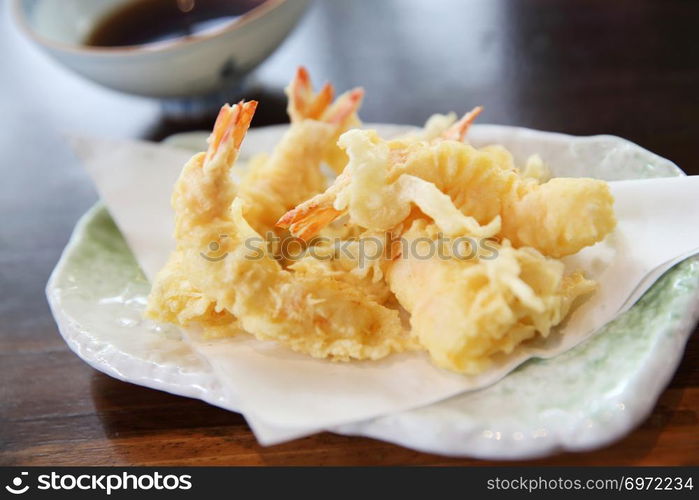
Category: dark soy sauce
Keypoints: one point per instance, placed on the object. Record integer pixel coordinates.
(140, 22)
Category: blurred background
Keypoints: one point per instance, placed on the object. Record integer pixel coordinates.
(628, 67)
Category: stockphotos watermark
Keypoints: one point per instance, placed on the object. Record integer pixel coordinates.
(362, 250)
(107, 483)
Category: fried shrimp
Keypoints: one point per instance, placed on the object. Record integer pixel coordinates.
(174, 299)
(314, 314)
(309, 217)
(466, 312)
(373, 277)
(292, 173)
(379, 184)
(360, 261)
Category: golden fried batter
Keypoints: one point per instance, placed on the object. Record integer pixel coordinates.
(402, 196)
(467, 311)
(558, 218)
(314, 314)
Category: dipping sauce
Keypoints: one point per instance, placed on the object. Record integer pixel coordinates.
(140, 22)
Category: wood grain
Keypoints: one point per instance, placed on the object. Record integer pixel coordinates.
(627, 67)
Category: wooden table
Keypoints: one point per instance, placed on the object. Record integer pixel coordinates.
(629, 68)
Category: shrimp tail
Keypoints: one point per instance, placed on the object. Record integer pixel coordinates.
(303, 103)
(309, 217)
(306, 220)
(232, 123)
(458, 130)
(345, 106)
(205, 189)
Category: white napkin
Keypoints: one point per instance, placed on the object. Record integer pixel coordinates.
(135, 180)
(285, 395)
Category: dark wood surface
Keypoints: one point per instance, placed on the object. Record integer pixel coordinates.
(629, 68)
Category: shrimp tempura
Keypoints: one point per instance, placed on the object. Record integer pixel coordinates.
(558, 218)
(407, 194)
(314, 314)
(467, 312)
(292, 173)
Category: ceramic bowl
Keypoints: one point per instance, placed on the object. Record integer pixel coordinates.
(182, 67)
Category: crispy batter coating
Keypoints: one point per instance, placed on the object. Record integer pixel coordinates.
(174, 299)
(558, 218)
(311, 313)
(465, 312)
(278, 182)
(407, 193)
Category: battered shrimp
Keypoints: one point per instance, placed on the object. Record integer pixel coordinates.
(382, 180)
(174, 299)
(458, 131)
(292, 173)
(310, 217)
(438, 127)
(360, 261)
(314, 314)
(467, 312)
